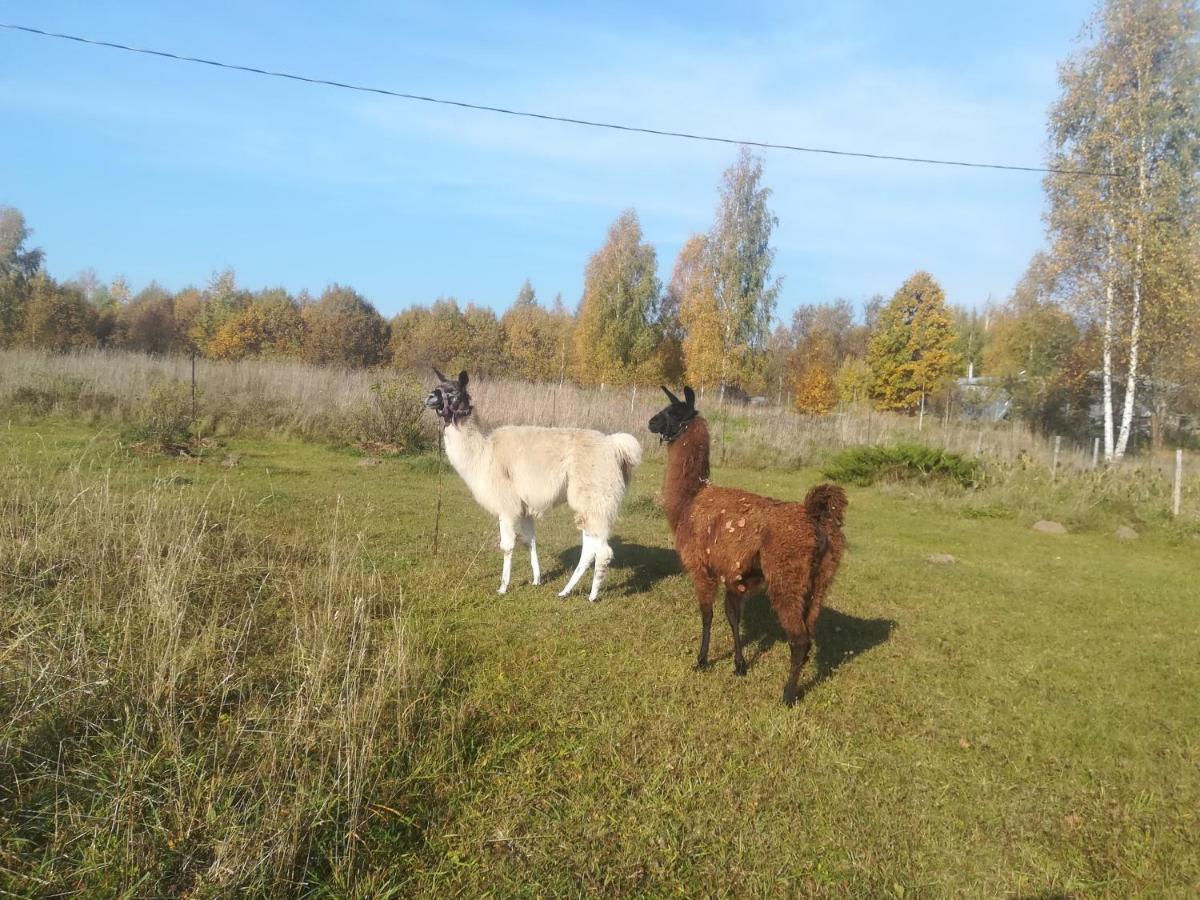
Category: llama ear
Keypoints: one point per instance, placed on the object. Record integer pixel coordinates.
(690, 397)
(442, 378)
(670, 396)
(462, 378)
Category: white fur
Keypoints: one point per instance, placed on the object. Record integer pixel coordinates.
(519, 473)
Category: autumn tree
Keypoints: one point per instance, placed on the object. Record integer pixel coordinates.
(147, 323)
(912, 349)
(221, 299)
(1031, 348)
(343, 329)
(853, 380)
(1129, 114)
(57, 318)
(532, 338)
(693, 292)
(739, 256)
(619, 325)
(270, 326)
(18, 264)
(485, 340)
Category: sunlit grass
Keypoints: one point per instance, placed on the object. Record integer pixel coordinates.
(1022, 722)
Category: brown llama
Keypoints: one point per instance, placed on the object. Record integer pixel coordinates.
(730, 537)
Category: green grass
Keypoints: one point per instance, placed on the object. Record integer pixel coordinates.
(1024, 722)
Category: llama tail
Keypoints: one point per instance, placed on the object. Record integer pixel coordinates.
(629, 453)
(825, 503)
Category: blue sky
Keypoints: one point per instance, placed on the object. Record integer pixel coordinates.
(161, 170)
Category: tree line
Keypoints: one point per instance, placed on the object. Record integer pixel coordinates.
(1107, 316)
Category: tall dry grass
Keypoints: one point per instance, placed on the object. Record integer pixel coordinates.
(281, 397)
(186, 708)
(383, 408)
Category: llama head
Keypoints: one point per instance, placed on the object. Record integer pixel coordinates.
(450, 399)
(673, 421)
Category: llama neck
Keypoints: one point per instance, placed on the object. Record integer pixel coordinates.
(466, 448)
(687, 471)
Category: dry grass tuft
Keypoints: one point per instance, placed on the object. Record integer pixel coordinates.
(186, 708)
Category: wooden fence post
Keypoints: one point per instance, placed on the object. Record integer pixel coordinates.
(1095, 453)
(1054, 467)
(1178, 498)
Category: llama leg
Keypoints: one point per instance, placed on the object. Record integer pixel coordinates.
(508, 540)
(706, 594)
(604, 555)
(799, 642)
(530, 538)
(733, 612)
(586, 554)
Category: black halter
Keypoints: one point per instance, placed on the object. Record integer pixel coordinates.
(663, 439)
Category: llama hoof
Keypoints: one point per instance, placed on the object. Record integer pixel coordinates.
(593, 599)
(536, 582)
(563, 593)
(701, 665)
(789, 696)
(739, 668)
(503, 589)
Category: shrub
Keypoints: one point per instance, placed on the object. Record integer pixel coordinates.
(165, 419)
(865, 465)
(391, 421)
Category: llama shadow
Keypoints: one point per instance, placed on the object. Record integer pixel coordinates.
(840, 636)
(646, 566)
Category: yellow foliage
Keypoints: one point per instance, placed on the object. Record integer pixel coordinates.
(813, 391)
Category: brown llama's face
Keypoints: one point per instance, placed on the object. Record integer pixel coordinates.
(673, 421)
(450, 399)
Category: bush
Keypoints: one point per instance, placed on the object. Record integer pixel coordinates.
(865, 465)
(392, 421)
(165, 419)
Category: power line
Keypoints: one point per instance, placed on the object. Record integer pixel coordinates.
(546, 116)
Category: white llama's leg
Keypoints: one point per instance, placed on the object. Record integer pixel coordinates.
(586, 555)
(508, 540)
(604, 555)
(530, 537)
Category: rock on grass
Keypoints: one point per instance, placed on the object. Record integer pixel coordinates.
(1047, 527)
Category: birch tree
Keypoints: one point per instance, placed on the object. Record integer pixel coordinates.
(1129, 110)
(740, 256)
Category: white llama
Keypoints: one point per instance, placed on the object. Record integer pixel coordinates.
(519, 473)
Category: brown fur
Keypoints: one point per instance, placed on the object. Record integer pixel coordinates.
(732, 538)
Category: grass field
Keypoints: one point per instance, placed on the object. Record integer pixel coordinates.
(1023, 722)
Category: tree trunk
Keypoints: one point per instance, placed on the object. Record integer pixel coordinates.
(1158, 424)
(1131, 378)
(1107, 347)
(1136, 323)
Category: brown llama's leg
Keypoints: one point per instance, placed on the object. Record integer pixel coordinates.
(706, 595)
(800, 643)
(733, 612)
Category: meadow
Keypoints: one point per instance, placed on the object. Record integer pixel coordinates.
(239, 664)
